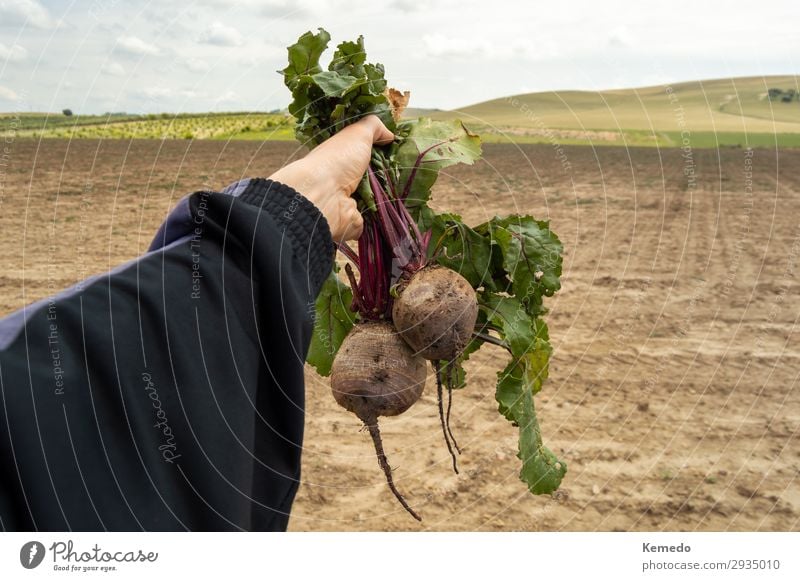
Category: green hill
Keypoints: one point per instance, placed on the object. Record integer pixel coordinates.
(733, 111)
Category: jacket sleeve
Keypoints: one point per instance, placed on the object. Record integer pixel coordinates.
(168, 394)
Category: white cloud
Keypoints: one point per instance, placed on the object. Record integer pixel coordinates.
(273, 8)
(406, 5)
(249, 61)
(221, 35)
(25, 12)
(282, 9)
(227, 97)
(197, 65)
(14, 53)
(620, 37)
(473, 48)
(157, 93)
(441, 45)
(114, 69)
(136, 46)
(7, 94)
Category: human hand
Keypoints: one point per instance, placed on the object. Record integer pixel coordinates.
(330, 173)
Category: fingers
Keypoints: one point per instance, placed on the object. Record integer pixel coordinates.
(380, 134)
(330, 173)
(352, 221)
(356, 228)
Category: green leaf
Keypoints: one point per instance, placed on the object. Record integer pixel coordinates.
(304, 56)
(528, 339)
(333, 84)
(460, 379)
(349, 58)
(532, 257)
(446, 143)
(338, 114)
(325, 101)
(508, 315)
(459, 247)
(332, 323)
(375, 76)
(449, 142)
(541, 470)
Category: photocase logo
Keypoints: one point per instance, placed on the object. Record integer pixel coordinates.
(31, 554)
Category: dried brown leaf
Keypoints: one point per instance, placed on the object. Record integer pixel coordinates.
(398, 101)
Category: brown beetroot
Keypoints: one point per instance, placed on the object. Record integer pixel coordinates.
(376, 374)
(436, 313)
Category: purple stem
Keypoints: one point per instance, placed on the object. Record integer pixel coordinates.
(397, 222)
(394, 227)
(382, 202)
(372, 289)
(412, 175)
(348, 252)
(356, 305)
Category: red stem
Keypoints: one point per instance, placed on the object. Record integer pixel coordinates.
(412, 175)
(372, 288)
(348, 252)
(399, 227)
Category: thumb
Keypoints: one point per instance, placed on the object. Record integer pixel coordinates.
(380, 134)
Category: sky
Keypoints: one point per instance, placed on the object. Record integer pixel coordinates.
(96, 56)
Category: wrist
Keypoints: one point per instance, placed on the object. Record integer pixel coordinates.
(311, 183)
(301, 222)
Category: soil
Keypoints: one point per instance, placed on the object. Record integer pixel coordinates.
(672, 391)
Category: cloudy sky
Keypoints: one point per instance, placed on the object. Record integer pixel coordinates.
(200, 55)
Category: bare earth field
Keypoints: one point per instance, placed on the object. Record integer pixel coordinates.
(673, 386)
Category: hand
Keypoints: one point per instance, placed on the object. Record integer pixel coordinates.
(330, 173)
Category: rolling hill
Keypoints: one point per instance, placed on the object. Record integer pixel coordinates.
(735, 111)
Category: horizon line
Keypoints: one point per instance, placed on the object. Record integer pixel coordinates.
(556, 91)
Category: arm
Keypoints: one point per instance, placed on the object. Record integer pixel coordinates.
(168, 394)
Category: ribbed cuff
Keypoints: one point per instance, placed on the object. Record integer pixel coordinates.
(303, 222)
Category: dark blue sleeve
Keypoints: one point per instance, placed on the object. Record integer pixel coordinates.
(168, 394)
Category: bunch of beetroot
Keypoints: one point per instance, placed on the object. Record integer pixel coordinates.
(422, 286)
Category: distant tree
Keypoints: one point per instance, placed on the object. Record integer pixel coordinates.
(773, 93)
(67, 112)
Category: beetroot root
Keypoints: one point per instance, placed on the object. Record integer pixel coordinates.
(376, 374)
(436, 313)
